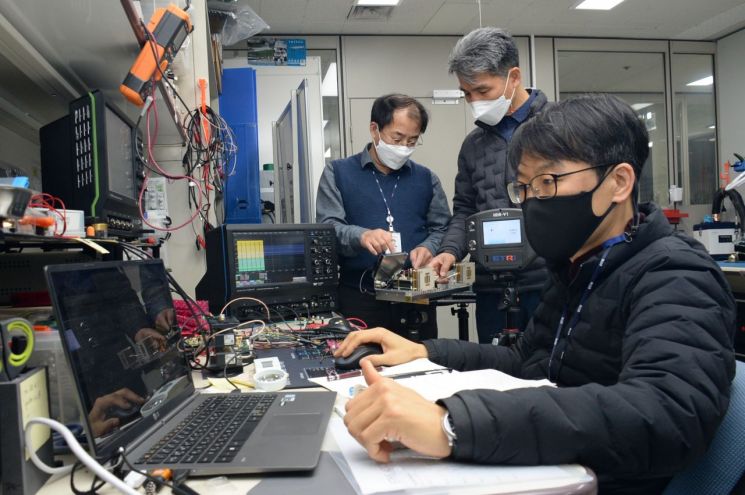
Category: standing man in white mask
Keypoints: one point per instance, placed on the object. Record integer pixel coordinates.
(379, 200)
(486, 64)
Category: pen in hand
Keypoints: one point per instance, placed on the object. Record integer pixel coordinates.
(420, 373)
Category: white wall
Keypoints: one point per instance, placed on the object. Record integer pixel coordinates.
(20, 153)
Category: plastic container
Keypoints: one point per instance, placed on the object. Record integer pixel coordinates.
(63, 401)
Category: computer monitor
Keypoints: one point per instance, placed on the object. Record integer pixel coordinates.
(119, 155)
(290, 267)
(90, 160)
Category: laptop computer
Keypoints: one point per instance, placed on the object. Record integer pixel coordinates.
(136, 391)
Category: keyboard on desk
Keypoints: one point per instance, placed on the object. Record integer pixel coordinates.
(214, 432)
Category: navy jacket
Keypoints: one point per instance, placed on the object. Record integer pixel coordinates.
(350, 199)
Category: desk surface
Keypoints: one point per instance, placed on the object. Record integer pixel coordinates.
(327, 474)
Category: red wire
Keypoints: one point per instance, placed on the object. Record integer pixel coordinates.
(362, 324)
(46, 200)
(150, 141)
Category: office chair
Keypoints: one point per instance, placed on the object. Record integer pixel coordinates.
(719, 471)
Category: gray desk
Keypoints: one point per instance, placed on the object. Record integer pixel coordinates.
(327, 478)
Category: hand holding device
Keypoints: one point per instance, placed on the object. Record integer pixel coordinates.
(378, 241)
(396, 349)
(352, 361)
(420, 256)
(387, 412)
(442, 263)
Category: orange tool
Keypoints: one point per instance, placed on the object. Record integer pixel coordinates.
(205, 121)
(166, 31)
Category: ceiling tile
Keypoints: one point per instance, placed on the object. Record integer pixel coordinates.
(452, 18)
(658, 19)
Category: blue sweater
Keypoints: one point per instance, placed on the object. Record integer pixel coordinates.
(349, 197)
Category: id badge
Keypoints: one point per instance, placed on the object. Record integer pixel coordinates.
(396, 242)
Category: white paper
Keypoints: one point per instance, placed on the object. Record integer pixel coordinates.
(409, 471)
(345, 386)
(434, 387)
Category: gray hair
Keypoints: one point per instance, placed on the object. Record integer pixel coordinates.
(486, 50)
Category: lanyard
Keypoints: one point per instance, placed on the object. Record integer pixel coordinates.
(607, 245)
(389, 218)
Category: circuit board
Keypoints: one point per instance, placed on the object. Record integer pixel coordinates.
(302, 363)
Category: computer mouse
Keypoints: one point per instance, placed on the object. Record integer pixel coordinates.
(353, 360)
(338, 324)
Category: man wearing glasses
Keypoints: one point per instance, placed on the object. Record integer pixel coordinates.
(635, 327)
(379, 201)
(486, 64)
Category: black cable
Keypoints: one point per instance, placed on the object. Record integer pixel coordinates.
(735, 198)
(297, 315)
(174, 488)
(227, 362)
(94, 486)
(281, 317)
(208, 149)
(191, 303)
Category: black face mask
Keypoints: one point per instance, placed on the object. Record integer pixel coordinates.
(558, 227)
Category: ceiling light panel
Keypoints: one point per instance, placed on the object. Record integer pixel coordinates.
(379, 3)
(597, 4)
(706, 81)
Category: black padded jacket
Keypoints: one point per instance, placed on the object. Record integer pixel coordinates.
(481, 185)
(645, 376)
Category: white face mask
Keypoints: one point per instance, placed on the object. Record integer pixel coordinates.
(393, 156)
(491, 112)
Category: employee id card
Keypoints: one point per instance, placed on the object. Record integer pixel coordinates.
(396, 243)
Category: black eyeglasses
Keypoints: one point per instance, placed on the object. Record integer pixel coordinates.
(543, 186)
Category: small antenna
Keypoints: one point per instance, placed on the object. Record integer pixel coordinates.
(480, 23)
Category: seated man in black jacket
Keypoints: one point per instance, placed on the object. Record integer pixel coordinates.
(635, 328)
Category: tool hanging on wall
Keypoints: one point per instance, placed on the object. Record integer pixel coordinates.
(166, 32)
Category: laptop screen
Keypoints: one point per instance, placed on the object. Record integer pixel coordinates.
(122, 342)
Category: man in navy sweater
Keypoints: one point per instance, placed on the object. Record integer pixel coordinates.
(380, 200)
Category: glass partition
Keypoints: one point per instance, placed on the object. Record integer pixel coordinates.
(694, 121)
(638, 79)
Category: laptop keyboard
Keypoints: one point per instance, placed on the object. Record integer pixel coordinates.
(214, 432)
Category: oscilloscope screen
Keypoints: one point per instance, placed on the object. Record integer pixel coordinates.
(273, 258)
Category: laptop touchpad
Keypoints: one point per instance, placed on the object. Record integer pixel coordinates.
(293, 424)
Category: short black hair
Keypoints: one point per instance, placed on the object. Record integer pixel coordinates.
(598, 129)
(384, 106)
